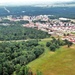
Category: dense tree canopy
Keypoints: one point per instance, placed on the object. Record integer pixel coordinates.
(14, 55)
(17, 32)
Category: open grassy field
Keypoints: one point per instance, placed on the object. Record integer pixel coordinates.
(61, 62)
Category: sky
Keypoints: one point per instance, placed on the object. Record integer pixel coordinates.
(29, 2)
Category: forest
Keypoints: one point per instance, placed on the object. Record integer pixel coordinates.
(57, 12)
(18, 54)
(18, 32)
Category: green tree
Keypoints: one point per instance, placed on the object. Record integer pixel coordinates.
(48, 44)
(17, 68)
(52, 48)
(69, 43)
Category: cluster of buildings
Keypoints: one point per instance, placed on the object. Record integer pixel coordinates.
(55, 27)
(26, 18)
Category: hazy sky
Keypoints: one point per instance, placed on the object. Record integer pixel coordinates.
(4, 2)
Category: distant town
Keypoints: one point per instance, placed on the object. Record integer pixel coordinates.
(62, 27)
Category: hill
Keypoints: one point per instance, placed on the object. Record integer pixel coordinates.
(60, 62)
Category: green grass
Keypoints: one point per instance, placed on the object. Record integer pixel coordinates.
(61, 62)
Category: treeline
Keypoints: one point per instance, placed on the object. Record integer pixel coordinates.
(18, 54)
(41, 21)
(14, 22)
(54, 44)
(17, 32)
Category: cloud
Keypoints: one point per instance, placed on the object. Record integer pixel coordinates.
(31, 1)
